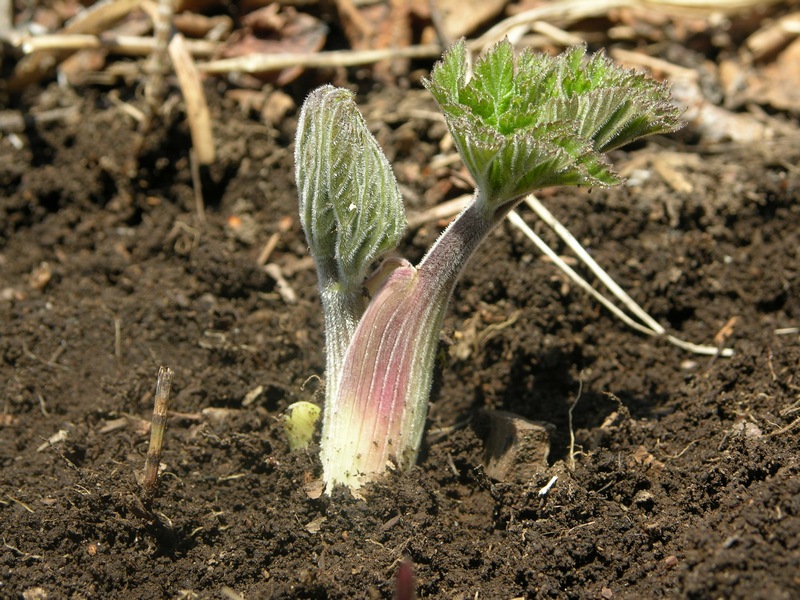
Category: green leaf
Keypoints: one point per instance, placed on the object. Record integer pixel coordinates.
(493, 82)
(350, 206)
(525, 121)
(450, 75)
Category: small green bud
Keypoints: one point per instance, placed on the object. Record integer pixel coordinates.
(300, 422)
(350, 205)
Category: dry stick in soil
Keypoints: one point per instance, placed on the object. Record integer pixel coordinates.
(203, 151)
(6, 15)
(157, 428)
(175, 48)
(13, 121)
(197, 111)
(262, 63)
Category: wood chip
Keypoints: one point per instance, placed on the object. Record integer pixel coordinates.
(314, 489)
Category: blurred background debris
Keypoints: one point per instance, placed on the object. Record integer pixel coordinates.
(735, 63)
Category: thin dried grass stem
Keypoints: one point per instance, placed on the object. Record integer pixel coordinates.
(194, 96)
(574, 245)
(158, 62)
(518, 222)
(263, 63)
(567, 12)
(128, 45)
(6, 15)
(555, 13)
(651, 327)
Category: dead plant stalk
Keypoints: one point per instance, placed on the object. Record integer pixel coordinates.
(157, 429)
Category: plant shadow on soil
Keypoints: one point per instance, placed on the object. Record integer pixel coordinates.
(686, 483)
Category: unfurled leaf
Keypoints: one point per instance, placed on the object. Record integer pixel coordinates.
(525, 121)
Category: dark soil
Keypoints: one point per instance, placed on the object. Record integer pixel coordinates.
(685, 477)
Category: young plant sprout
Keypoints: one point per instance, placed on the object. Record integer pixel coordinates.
(520, 122)
(299, 424)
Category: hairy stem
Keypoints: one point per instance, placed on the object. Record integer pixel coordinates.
(378, 413)
(341, 312)
(448, 257)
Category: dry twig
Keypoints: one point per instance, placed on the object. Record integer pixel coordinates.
(158, 64)
(284, 289)
(264, 63)
(774, 36)
(6, 15)
(128, 45)
(13, 121)
(157, 428)
(445, 210)
(562, 14)
(196, 105)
